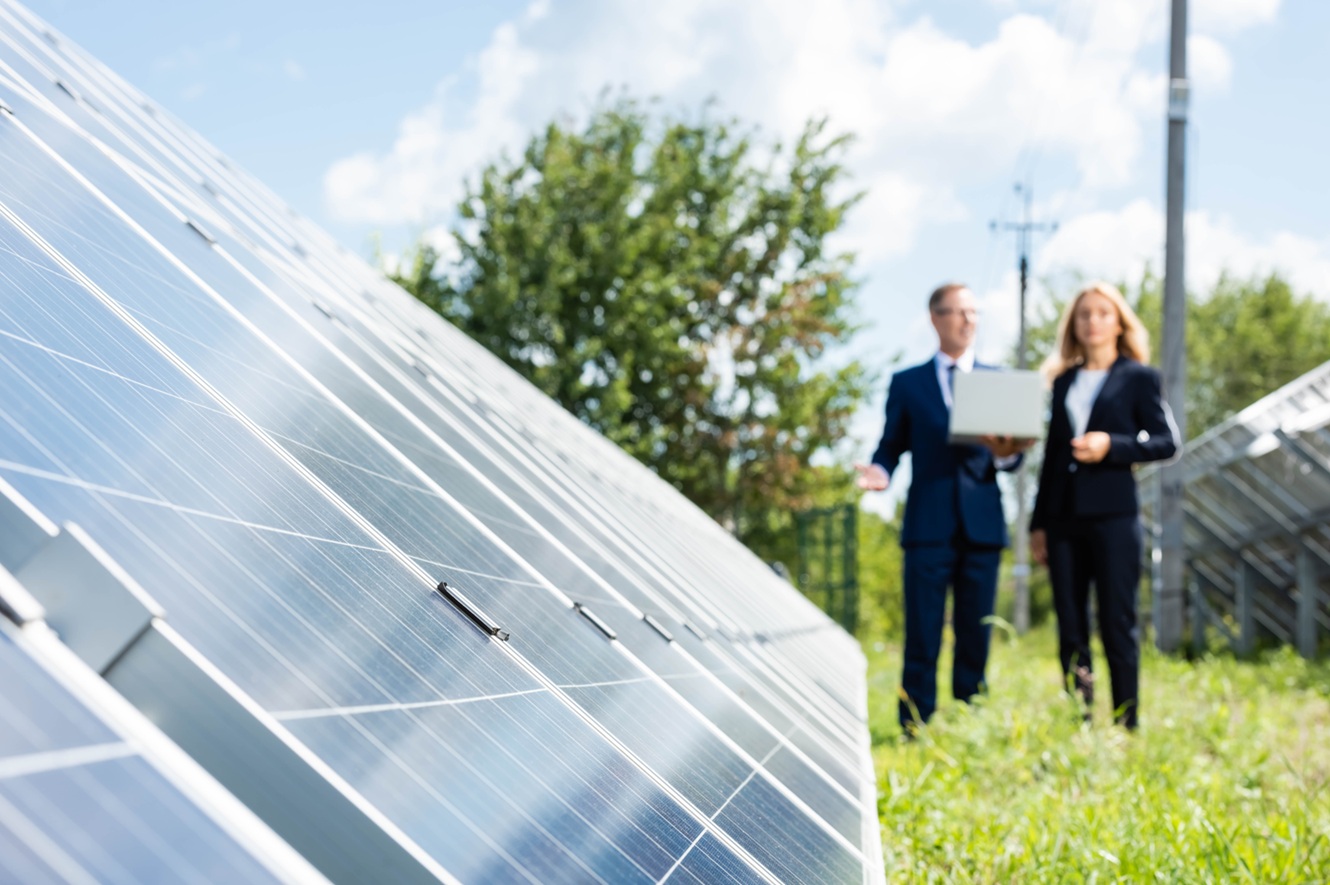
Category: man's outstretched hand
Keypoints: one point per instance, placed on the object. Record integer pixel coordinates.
(1005, 446)
(872, 478)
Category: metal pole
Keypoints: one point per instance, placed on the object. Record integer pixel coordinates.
(1020, 571)
(1171, 592)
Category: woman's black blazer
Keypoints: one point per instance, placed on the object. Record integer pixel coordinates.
(1130, 409)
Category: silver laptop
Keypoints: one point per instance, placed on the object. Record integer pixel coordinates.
(996, 403)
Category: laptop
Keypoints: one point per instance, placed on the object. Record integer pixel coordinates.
(996, 403)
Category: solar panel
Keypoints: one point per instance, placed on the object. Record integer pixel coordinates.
(522, 651)
(1257, 511)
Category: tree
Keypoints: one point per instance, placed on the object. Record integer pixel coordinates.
(669, 283)
(1245, 339)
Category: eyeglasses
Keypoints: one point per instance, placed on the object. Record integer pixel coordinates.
(969, 313)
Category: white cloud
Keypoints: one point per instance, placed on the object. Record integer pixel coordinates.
(422, 175)
(1230, 16)
(1120, 244)
(1209, 64)
(885, 223)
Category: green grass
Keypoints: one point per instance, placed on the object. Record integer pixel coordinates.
(1227, 780)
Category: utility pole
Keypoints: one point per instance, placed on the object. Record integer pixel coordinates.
(1169, 596)
(1020, 571)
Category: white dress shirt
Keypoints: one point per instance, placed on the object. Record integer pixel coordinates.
(964, 363)
(1082, 393)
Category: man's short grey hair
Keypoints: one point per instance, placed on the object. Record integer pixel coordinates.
(941, 292)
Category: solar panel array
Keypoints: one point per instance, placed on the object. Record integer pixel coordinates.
(1257, 513)
(525, 653)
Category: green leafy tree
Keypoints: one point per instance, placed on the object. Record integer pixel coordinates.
(1245, 339)
(668, 281)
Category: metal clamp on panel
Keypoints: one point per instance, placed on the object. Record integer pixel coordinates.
(466, 607)
(420, 367)
(5, 108)
(67, 89)
(693, 630)
(198, 229)
(595, 621)
(658, 627)
(324, 309)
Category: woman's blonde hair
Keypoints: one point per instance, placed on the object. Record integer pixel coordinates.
(1134, 342)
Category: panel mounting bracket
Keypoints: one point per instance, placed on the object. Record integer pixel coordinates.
(468, 608)
(658, 627)
(595, 620)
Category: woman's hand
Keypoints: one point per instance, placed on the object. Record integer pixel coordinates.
(1039, 546)
(1091, 448)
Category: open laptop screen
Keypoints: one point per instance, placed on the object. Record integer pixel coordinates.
(1005, 403)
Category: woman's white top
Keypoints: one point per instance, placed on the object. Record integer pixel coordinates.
(1082, 393)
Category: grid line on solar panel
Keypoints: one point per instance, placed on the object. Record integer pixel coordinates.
(34, 763)
(320, 712)
(733, 747)
(716, 814)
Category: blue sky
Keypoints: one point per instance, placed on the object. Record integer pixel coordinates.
(367, 117)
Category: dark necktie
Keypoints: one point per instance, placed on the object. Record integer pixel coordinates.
(951, 382)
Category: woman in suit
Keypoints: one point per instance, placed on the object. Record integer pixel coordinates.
(1108, 415)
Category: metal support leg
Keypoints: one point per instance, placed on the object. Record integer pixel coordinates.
(1197, 616)
(1306, 629)
(1243, 589)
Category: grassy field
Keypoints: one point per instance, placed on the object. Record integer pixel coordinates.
(1227, 780)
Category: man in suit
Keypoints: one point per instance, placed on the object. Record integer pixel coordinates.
(954, 528)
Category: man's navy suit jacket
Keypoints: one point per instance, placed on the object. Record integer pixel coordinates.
(953, 489)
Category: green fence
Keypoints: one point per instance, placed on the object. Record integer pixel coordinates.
(828, 570)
